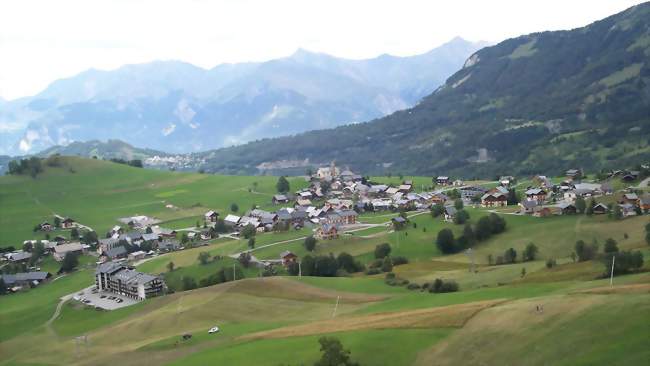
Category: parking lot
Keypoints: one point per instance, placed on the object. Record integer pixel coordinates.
(104, 300)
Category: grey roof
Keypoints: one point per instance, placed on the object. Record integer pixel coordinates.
(11, 279)
(108, 241)
(528, 204)
(115, 252)
(280, 197)
(148, 237)
(399, 219)
(20, 256)
(108, 268)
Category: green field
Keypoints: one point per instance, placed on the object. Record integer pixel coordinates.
(278, 320)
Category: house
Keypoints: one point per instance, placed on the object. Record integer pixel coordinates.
(169, 245)
(644, 202)
(108, 244)
(23, 279)
(541, 211)
(211, 216)
(279, 198)
(135, 256)
(567, 208)
(528, 207)
(288, 257)
(450, 213)
(116, 230)
(536, 194)
(630, 198)
(303, 202)
(123, 280)
(67, 223)
(45, 226)
(150, 237)
(392, 190)
(61, 250)
(543, 181)
(118, 252)
(163, 232)
(574, 174)
(600, 209)
(628, 209)
(342, 217)
(398, 221)
(205, 235)
(327, 232)
(468, 193)
(458, 183)
(442, 180)
(18, 256)
(405, 188)
(495, 199)
(231, 220)
(630, 176)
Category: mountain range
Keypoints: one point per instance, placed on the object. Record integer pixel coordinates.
(177, 107)
(538, 103)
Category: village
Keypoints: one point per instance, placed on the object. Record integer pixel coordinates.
(329, 207)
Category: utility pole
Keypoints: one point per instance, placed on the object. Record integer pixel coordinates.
(234, 274)
(611, 276)
(336, 306)
(299, 270)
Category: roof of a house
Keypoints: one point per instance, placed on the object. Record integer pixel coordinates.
(115, 252)
(70, 247)
(287, 253)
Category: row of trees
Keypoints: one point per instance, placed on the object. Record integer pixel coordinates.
(472, 234)
(135, 162)
(31, 166)
(510, 255)
(625, 262)
(326, 265)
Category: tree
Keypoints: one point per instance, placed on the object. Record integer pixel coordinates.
(333, 353)
(437, 210)
(617, 213)
(497, 223)
(346, 261)
(458, 204)
(189, 283)
(382, 250)
(184, 238)
(510, 255)
(611, 246)
(234, 207)
(445, 241)
(387, 264)
(57, 221)
(584, 251)
(37, 252)
(3, 287)
(74, 233)
(90, 238)
(483, 229)
(204, 257)
(625, 262)
(27, 247)
(580, 204)
(310, 243)
(170, 266)
(647, 234)
(251, 243)
(512, 197)
(590, 207)
(248, 231)
(69, 263)
(530, 252)
(282, 185)
(307, 265)
(245, 259)
(461, 217)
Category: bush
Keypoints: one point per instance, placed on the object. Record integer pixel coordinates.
(387, 265)
(440, 286)
(550, 263)
(398, 260)
(382, 250)
(413, 286)
(373, 271)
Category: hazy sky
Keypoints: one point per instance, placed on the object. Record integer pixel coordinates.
(44, 40)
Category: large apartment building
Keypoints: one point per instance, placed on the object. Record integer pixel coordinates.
(124, 280)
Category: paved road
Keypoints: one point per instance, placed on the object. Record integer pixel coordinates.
(644, 183)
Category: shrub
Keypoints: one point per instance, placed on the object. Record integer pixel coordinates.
(382, 250)
(550, 263)
(398, 260)
(413, 286)
(373, 271)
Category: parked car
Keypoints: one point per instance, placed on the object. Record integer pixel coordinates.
(213, 330)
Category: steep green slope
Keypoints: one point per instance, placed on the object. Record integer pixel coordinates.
(534, 104)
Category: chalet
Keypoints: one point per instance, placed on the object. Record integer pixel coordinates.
(108, 244)
(630, 176)
(439, 198)
(279, 198)
(205, 235)
(496, 199)
(303, 202)
(644, 202)
(288, 257)
(574, 174)
(536, 194)
(45, 226)
(59, 239)
(25, 279)
(541, 211)
(405, 188)
(593, 188)
(575, 193)
(298, 217)
(468, 193)
(529, 207)
(327, 232)
(231, 220)
(168, 245)
(378, 190)
(150, 237)
(630, 198)
(306, 195)
(117, 278)
(211, 216)
(606, 188)
(628, 209)
(67, 223)
(347, 176)
(61, 250)
(458, 183)
(506, 180)
(163, 232)
(342, 217)
(118, 252)
(392, 190)
(116, 230)
(398, 222)
(450, 213)
(600, 209)
(567, 208)
(136, 256)
(543, 181)
(442, 180)
(381, 204)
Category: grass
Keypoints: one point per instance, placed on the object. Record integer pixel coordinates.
(99, 192)
(76, 319)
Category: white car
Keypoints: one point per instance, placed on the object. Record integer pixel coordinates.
(213, 330)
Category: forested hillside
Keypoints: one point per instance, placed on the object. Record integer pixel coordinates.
(538, 103)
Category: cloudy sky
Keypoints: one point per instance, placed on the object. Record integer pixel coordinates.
(44, 40)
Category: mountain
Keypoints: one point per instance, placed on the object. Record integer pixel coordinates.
(539, 103)
(111, 149)
(177, 107)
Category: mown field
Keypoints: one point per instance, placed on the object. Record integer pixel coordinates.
(492, 320)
